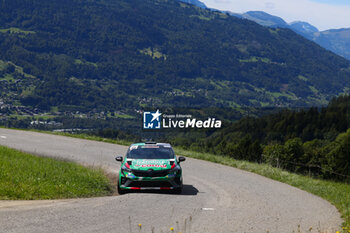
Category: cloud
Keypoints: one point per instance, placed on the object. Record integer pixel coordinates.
(323, 15)
(269, 5)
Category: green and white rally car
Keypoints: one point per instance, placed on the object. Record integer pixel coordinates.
(150, 166)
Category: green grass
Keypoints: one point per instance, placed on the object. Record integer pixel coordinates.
(3, 65)
(202, 17)
(27, 177)
(124, 116)
(18, 69)
(184, 5)
(19, 117)
(13, 30)
(256, 59)
(36, 117)
(153, 52)
(336, 193)
(303, 78)
(28, 90)
(93, 138)
(8, 78)
(44, 117)
(288, 95)
(117, 115)
(273, 31)
(76, 81)
(80, 62)
(314, 90)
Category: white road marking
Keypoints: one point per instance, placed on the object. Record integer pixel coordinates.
(4, 137)
(207, 208)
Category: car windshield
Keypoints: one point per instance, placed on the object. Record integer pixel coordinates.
(150, 152)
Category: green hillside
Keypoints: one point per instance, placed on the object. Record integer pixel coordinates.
(314, 141)
(116, 54)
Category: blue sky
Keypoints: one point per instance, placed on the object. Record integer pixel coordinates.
(334, 2)
(324, 14)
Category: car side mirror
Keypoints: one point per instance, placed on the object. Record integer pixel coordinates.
(181, 159)
(119, 158)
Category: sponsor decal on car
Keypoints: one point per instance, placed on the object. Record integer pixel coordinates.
(151, 163)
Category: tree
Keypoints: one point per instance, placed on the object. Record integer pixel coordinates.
(338, 159)
(272, 154)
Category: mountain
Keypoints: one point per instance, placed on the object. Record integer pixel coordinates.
(195, 2)
(90, 55)
(303, 28)
(335, 40)
(265, 19)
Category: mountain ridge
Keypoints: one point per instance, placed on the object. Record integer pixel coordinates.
(329, 39)
(128, 54)
(333, 42)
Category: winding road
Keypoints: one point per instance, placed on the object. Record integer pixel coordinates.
(216, 198)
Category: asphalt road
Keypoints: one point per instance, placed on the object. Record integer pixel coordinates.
(216, 198)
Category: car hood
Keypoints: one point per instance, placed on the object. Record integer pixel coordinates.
(155, 164)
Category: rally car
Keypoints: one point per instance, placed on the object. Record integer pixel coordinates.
(150, 166)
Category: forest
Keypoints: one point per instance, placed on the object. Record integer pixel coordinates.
(314, 140)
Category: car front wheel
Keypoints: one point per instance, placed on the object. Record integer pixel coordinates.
(120, 190)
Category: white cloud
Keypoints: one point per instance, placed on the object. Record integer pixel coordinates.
(269, 5)
(322, 15)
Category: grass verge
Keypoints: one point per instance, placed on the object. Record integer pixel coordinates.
(336, 193)
(93, 138)
(28, 177)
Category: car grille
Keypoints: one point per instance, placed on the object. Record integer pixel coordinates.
(150, 173)
(150, 184)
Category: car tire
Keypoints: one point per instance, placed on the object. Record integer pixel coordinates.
(179, 189)
(121, 191)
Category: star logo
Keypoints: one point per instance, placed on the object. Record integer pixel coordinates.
(156, 115)
(152, 120)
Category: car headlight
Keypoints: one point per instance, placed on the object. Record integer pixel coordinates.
(175, 169)
(125, 169)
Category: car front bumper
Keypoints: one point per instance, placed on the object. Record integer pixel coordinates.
(128, 180)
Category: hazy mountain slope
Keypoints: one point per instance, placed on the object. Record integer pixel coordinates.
(337, 41)
(265, 19)
(130, 53)
(303, 28)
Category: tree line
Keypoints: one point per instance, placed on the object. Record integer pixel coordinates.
(313, 141)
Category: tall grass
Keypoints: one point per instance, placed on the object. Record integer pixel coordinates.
(27, 177)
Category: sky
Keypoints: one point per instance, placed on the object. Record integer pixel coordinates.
(324, 14)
